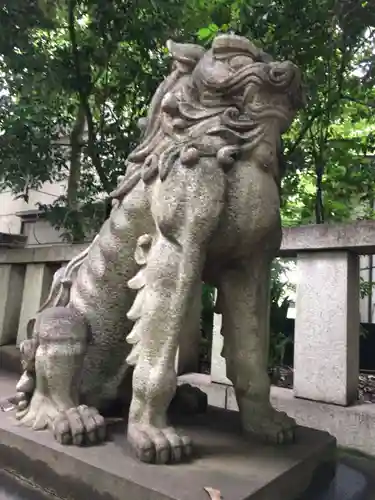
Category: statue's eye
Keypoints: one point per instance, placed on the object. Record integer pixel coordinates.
(240, 61)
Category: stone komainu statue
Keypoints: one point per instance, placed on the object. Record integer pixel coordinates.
(199, 201)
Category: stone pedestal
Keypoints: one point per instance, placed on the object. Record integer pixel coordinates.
(11, 289)
(38, 279)
(326, 342)
(240, 468)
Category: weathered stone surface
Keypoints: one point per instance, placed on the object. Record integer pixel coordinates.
(41, 254)
(238, 468)
(12, 278)
(326, 338)
(38, 279)
(356, 236)
(352, 426)
(200, 200)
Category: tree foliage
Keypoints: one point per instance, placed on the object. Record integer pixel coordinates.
(329, 151)
(76, 75)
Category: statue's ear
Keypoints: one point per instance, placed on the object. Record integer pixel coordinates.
(185, 53)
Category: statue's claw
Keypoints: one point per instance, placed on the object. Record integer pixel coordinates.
(79, 426)
(158, 446)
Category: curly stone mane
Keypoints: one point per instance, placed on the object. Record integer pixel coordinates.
(209, 95)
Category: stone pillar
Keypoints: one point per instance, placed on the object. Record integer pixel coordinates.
(11, 289)
(38, 280)
(326, 341)
(218, 368)
(365, 261)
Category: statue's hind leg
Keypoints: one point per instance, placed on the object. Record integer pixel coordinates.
(244, 303)
(172, 275)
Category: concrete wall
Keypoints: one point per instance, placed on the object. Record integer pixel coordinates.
(9, 222)
(38, 232)
(41, 232)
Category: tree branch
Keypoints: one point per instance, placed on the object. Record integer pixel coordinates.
(358, 101)
(330, 101)
(319, 112)
(75, 158)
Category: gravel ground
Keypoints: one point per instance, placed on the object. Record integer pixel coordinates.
(283, 377)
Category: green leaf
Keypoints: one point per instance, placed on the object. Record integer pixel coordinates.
(208, 33)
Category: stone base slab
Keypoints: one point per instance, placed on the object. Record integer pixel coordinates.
(352, 426)
(240, 469)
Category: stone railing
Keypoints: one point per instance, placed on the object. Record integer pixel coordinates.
(25, 277)
(326, 350)
(327, 325)
(326, 339)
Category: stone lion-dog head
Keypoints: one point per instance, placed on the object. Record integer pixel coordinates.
(225, 102)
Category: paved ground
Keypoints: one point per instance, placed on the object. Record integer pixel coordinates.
(12, 488)
(355, 477)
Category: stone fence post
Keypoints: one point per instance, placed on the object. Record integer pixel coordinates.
(11, 285)
(327, 325)
(38, 279)
(12, 278)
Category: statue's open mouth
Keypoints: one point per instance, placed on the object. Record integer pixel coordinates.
(272, 91)
(275, 78)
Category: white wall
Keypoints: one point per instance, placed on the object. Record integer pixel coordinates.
(10, 206)
(9, 222)
(41, 232)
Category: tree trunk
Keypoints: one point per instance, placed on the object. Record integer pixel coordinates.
(76, 142)
(76, 137)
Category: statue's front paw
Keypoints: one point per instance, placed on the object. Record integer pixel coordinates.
(270, 425)
(158, 446)
(79, 426)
